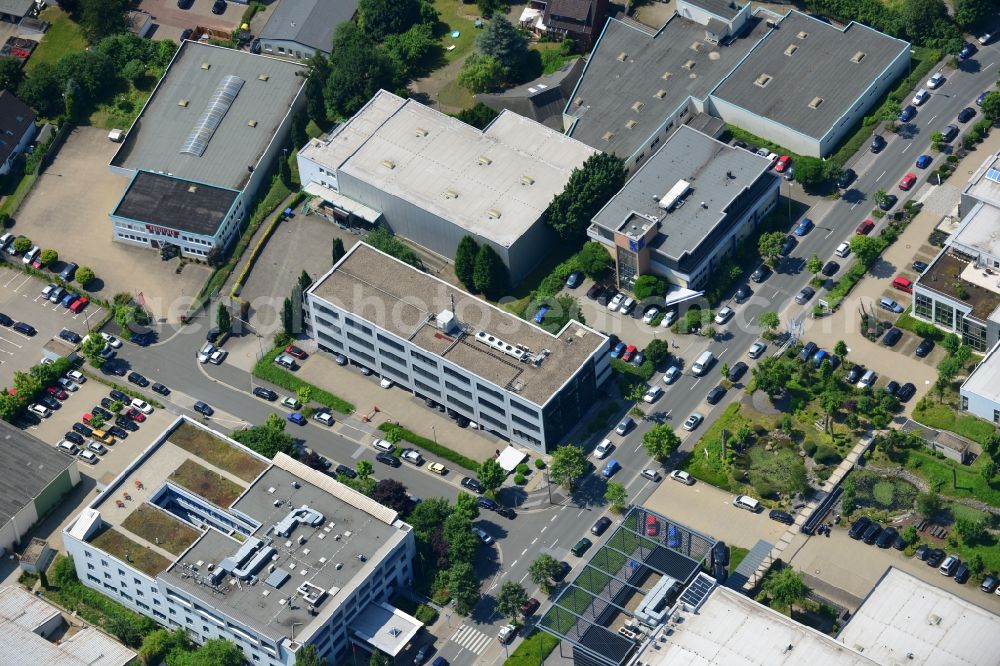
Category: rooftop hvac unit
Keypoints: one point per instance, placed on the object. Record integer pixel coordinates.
(500, 345)
(670, 199)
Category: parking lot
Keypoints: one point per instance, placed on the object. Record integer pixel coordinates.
(171, 20)
(70, 215)
(21, 300)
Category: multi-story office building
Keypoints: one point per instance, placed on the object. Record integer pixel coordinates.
(685, 209)
(960, 290)
(202, 534)
(516, 379)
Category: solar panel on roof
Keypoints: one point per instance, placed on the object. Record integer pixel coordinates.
(994, 175)
(210, 119)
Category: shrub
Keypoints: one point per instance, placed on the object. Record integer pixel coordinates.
(827, 455)
(810, 448)
(539, 463)
(522, 469)
(266, 369)
(520, 479)
(432, 446)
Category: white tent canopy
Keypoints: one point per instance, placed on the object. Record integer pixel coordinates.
(511, 458)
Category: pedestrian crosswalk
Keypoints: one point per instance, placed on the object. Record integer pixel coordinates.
(471, 639)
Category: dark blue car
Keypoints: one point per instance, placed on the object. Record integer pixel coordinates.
(907, 114)
(924, 161)
(804, 227)
(540, 315)
(966, 52)
(617, 351)
(69, 298)
(297, 418)
(982, 96)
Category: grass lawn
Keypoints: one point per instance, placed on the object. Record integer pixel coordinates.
(942, 415)
(938, 472)
(159, 527)
(705, 462)
(143, 558)
(456, 15)
(551, 58)
(737, 555)
(112, 115)
(63, 36)
(456, 96)
(533, 650)
(210, 485)
(217, 452)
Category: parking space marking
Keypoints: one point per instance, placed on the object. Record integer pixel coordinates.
(3, 339)
(22, 283)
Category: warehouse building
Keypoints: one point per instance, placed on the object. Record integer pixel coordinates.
(513, 378)
(202, 534)
(433, 179)
(202, 147)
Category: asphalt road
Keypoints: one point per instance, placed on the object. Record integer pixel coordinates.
(555, 528)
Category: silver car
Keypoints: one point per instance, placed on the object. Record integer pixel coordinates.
(757, 349)
(693, 421)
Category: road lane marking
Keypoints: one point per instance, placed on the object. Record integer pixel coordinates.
(533, 542)
(523, 577)
(554, 543)
(908, 146)
(853, 207)
(543, 530)
(933, 117)
(523, 552)
(511, 565)
(553, 519)
(880, 176)
(828, 235)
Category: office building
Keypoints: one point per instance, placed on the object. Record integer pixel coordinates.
(202, 147)
(303, 28)
(513, 378)
(202, 534)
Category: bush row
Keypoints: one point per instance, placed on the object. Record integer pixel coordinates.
(644, 372)
(432, 446)
(268, 371)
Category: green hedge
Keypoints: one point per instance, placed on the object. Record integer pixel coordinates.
(845, 285)
(533, 650)
(124, 389)
(644, 372)
(268, 371)
(910, 323)
(433, 447)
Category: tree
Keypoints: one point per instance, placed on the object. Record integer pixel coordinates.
(867, 249)
(814, 265)
(365, 469)
(510, 598)
(308, 656)
(922, 20)
(724, 370)
(96, 421)
(284, 172)
(489, 274)
(214, 652)
(830, 400)
(465, 261)
(337, 251)
(466, 505)
(304, 394)
(22, 244)
(881, 197)
(657, 352)
(491, 474)
(481, 74)
(544, 570)
(11, 73)
(810, 171)
(223, 319)
(771, 375)
(378, 658)
(392, 494)
(268, 439)
(951, 342)
(156, 645)
(769, 320)
(317, 73)
(428, 516)
(116, 406)
(594, 260)
(589, 187)
(462, 543)
(977, 564)
(478, 115)
(647, 286)
(298, 132)
(972, 13)
(988, 471)
(991, 106)
(616, 495)
(100, 18)
(929, 504)
(91, 348)
(43, 90)
(660, 441)
(971, 531)
(48, 257)
(569, 464)
(288, 317)
(84, 276)
(381, 18)
(785, 588)
(463, 586)
(357, 70)
(769, 246)
(502, 41)
(840, 349)
(992, 445)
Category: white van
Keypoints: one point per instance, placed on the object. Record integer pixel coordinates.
(843, 250)
(746, 502)
(702, 363)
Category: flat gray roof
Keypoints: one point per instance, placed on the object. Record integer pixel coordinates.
(403, 300)
(29, 466)
(308, 22)
(194, 76)
(727, 9)
(719, 175)
(821, 66)
(905, 620)
(985, 183)
(627, 69)
(985, 379)
(315, 561)
(16, 7)
(495, 183)
(178, 204)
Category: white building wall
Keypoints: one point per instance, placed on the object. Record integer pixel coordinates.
(765, 128)
(983, 407)
(192, 245)
(29, 135)
(285, 48)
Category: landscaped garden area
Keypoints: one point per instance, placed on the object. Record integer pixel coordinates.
(212, 486)
(159, 527)
(143, 558)
(213, 450)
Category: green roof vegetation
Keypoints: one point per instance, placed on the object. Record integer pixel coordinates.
(159, 527)
(143, 558)
(219, 453)
(212, 486)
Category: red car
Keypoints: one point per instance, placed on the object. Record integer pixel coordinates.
(865, 227)
(79, 304)
(907, 182)
(135, 415)
(529, 607)
(652, 528)
(629, 353)
(87, 417)
(57, 393)
(783, 162)
(292, 350)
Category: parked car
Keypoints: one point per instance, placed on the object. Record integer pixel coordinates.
(892, 387)
(70, 336)
(652, 394)
(805, 295)
(858, 528)
(296, 418)
(628, 353)
(906, 391)
(529, 607)
(473, 484)
(137, 379)
(924, 161)
(990, 583)
(671, 375)
(887, 538)
(157, 387)
(574, 280)
(878, 143)
(890, 305)
(757, 349)
(219, 7)
(760, 274)
(907, 182)
(603, 449)
(924, 348)
(25, 329)
(624, 426)
(388, 459)
(805, 226)
(783, 163)
(611, 468)
(483, 535)
(781, 516)
(934, 557)
(650, 474)
(437, 468)
(830, 269)
(950, 565)
(693, 421)
(616, 301)
(142, 406)
(888, 202)
(737, 370)
(872, 533)
(907, 114)
(788, 246)
(966, 114)
(323, 416)
(681, 476)
(968, 50)
(723, 315)
(595, 292)
(936, 80)
(949, 133)
(203, 408)
(650, 314)
(292, 350)
(601, 526)
(892, 337)
(411, 456)
(581, 546)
